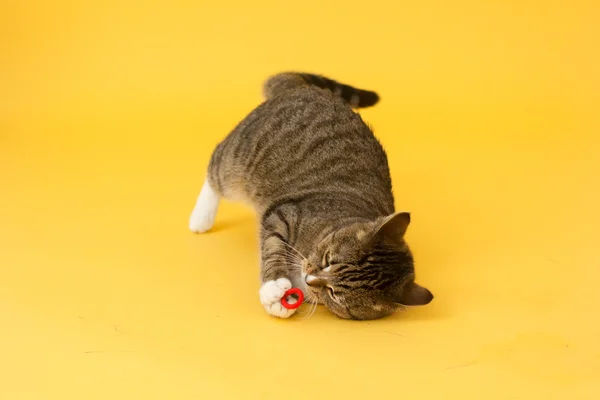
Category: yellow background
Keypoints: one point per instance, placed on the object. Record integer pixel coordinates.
(109, 111)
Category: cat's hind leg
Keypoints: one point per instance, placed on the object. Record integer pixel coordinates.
(205, 210)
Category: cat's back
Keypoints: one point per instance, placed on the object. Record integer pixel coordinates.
(304, 141)
(306, 111)
(303, 127)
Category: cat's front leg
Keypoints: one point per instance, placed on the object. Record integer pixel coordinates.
(276, 274)
(271, 293)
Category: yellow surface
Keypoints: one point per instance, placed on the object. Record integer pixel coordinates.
(109, 112)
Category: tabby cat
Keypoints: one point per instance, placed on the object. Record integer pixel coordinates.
(320, 184)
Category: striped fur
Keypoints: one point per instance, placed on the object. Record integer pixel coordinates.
(320, 184)
(283, 82)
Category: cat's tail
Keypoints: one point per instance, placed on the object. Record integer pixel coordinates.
(285, 81)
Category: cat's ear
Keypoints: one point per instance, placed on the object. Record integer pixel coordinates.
(394, 227)
(415, 295)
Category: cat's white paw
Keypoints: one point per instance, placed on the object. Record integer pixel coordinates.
(271, 294)
(205, 212)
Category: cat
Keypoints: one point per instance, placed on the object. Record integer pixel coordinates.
(319, 182)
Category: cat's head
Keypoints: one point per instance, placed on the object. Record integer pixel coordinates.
(365, 270)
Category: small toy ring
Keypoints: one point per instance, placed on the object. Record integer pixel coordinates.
(290, 292)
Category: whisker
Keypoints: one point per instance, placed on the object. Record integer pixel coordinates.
(311, 311)
(289, 256)
(291, 259)
(294, 265)
(288, 252)
(314, 309)
(293, 248)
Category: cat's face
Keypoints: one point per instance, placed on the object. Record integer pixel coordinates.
(365, 270)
